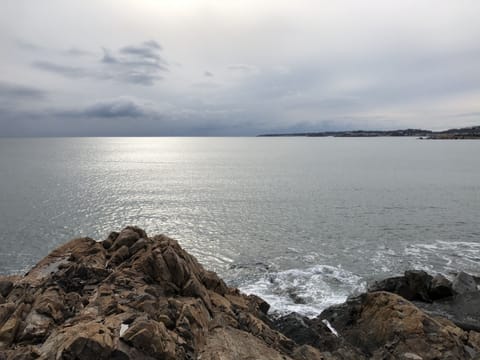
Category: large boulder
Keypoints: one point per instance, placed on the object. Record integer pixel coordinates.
(386, 326)
(464, 283)
(416, 285)
(413, 285)
(462, 309)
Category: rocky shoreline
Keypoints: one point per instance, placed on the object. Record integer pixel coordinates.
(137, 297)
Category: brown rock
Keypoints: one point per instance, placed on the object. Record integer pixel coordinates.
(83, 342)
(152, 338)
(232, 344)
(384, 324)
(128, 237)
(5, 287)
(213, 282)
(119, 256)
(133, 297)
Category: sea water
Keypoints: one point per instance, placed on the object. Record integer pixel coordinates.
(301, 222)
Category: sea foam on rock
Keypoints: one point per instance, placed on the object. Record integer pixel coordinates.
(138, 297)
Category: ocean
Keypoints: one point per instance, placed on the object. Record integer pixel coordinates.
(301, 222)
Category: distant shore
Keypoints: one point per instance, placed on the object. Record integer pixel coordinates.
(462, 133)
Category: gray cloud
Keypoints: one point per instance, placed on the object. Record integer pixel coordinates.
(121, 107)
(147, 50)
(244, 69)
(67, 71)
(13, 92)
(134, 64)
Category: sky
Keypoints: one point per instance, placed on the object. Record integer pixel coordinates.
(236, 68)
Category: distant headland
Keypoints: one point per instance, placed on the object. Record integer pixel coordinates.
(462, 133)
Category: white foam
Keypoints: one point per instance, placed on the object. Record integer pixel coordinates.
(445, 256)
(330, 327)
(305, 291)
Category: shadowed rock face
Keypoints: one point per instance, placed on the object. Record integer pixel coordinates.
(135, 297)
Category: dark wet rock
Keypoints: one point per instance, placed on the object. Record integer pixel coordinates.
(461, 309)
(316, 334)
(440, 288)
(464, 283)
(414, 285)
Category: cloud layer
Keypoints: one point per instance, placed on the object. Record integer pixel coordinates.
(146, 67)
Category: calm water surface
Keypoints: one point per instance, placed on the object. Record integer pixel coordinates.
(300, 221)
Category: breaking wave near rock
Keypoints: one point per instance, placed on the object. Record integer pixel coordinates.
(305, 291)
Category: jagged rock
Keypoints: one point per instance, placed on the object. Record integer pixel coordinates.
(462, 309)
(440, 287)
(414, 285)
(127, 237)
(464, 283)
(315, 333)
(385, 325)
(135, 297)
(130, 297)
(232, 344)
(5, 287)
(152, 338)
(83, 341)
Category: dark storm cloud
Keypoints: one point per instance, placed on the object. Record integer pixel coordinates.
(12, 92)
(136, 64)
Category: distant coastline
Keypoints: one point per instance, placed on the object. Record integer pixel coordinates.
(462, 133)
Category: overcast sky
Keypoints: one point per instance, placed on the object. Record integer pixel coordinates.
(230, 67)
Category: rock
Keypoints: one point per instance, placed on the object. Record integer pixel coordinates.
(414, 285)
(121, 254)
(127, 237)
(232, 344)
(131, 297)
(463, 310)
(139, 245)
(134, 297)
(307, 352)
(385, 325)
(464, 283)
(5, 287)
(152, 338)
(440, 287)
(213, 282)
(83, 342)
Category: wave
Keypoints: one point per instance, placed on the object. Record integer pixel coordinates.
(305, 291)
